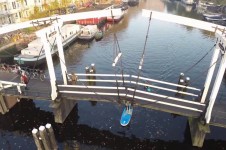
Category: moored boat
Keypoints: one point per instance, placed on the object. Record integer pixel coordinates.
(34, 54)
(133, 2)
(216, 18)
(212, 15)
(88, 32)
(188, 2)
(99, 35)
(92, 21)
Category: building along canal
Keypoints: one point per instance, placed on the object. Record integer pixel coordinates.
(171, 49)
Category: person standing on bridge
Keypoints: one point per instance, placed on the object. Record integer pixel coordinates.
(24, 79)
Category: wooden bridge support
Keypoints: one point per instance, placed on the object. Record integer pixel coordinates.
(7, 102)
(198, 131)
(3, 107)
(61, 109)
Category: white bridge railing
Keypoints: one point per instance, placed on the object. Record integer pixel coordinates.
(106, 85)
(131, 79)
(5, 85)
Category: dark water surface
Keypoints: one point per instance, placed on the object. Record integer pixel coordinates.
(171, 49)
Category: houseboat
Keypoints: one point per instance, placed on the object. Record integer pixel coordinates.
(34, 54)
(92, 21)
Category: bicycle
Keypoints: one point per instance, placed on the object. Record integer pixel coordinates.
(26, 70)
(36, 73)
(5, 67)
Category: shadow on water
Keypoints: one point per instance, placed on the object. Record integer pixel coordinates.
(25, 116)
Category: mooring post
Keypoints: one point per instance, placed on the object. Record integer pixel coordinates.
(186, 83)
(93, 68)
(92, 71)
(181, 77)
(45, 138)
(38, 142)
(87, 72)
(180, 89)
(51, 136)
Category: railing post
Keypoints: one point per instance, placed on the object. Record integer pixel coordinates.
(1, 86)
(19, 89)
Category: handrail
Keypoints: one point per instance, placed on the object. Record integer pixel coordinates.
(168, 83)
(12, 83)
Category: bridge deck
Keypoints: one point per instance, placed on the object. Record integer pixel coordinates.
(42, 90)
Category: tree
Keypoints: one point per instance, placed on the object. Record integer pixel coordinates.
(54, 5)
(65, 3)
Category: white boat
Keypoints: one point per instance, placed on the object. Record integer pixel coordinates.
(34, 54)
(212, 15)
(188, 2)
(133, 2)
(88, 32)
(116, 18)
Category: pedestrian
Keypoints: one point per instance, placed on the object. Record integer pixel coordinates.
(74, 79)
(24, 79)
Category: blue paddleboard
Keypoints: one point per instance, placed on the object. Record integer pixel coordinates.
(126, 115)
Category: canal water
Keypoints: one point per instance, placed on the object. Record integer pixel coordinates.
(170, 50)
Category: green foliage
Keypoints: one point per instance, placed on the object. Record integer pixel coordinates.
(54, 5)
(28, 30)
(38, 15)
(36, 10)
(65, 3)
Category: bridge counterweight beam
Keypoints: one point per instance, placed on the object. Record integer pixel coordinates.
(43, 35)
(216, 87)
(61, 55)
(210, 73)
